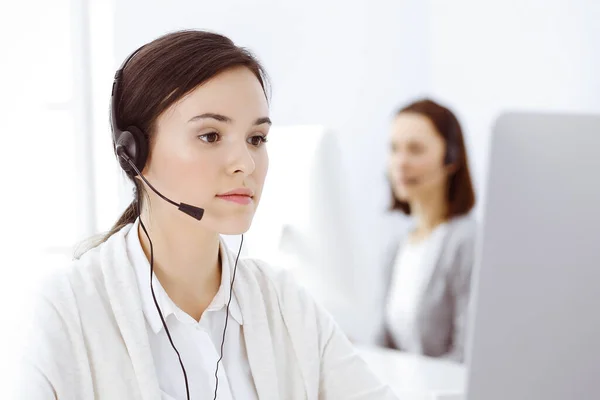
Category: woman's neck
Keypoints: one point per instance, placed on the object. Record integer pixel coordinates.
(429, 212)
(186, 260)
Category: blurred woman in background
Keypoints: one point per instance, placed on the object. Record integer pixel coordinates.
(429, 270)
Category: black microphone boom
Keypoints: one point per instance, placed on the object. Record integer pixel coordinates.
(193, 211)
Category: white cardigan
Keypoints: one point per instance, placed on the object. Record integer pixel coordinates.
(90, 342)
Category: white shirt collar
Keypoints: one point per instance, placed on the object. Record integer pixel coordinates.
(141, 266)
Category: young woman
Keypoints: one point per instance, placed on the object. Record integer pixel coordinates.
(430, 269)
(161, 309)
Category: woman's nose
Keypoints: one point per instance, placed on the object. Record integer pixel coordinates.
(241, 160)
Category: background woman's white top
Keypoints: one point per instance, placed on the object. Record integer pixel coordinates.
(412, 272)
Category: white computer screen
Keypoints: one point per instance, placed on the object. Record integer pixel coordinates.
(536, 327)
(302, 220)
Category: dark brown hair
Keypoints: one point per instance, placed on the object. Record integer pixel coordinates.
(163, 72)
(460, 195)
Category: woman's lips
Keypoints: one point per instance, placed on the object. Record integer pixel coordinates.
(236, 198)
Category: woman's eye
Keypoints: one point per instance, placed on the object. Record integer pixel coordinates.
(416, 148)
(257, 140)
(209, 137)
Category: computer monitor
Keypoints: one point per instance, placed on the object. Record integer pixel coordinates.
(535, 334)
(303, 222)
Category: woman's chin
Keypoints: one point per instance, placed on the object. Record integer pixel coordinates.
(234, 227)
(403, 195)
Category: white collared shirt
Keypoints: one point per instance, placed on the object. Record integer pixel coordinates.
(412, 273)
(198, 343)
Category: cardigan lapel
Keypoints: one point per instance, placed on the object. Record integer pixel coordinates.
(125, 301)
(124, 298)
(257, 334)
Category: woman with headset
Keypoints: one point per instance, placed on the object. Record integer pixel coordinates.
(160, 308)
(429, 270)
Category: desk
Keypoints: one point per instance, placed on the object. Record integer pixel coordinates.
(414, 377)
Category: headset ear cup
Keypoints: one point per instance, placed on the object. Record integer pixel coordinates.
(135, 145)
(450, 156)
(141, 145)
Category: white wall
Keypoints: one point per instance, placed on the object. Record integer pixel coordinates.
(527, 54)
(348, 65)
(344, 65)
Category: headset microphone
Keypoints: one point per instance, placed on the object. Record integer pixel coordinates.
(193, 211)
(417, 180)
(430, 175)
(131, 145)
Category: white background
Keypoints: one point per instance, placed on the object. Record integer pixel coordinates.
(342, 64)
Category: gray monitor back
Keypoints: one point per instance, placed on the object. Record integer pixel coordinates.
(535, 334)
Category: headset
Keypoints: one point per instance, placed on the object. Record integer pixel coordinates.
(131, 144)
(131, 148)
(453, 148)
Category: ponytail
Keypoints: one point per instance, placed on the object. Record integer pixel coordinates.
(128, 217)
